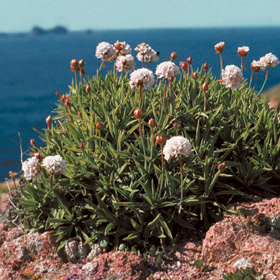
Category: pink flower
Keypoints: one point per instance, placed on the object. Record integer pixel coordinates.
(142, 77)
(269, 60)
(232, 77)
(167, 70)
(105, 51)
(175, 146)
(125, 63)
(31, 168)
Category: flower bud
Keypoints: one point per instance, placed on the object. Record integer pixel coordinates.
(67, 101)
(222, 166)
(74, 64)
(173, 56)
(88, 89)
(98, 125)
(118, 46)
(161, 139)
(138, 113)
(152, 123)
(12, 175)
(204, 86)
(195, 75)
(49, 121)
(33, 142)
(82, 63)
(220, 47)
(170, 80)
(205, 66)
(58, 94)
(63, 98)
(189, 60)
(79, 113)
(81, 145)
(176, 125)
(184, 66)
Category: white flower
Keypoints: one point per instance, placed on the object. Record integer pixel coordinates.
(146, 53)
(31, 168)
(123, 47)
(143, 48)
(175, 146)
(242, 263)
(220, 47)
(55, 164)
(243, 51)
(256, 66)
(142, 77)
(150, 57)
(232, 76)
(167, 70)
(105, 51)
(125, 63)
(269, 60)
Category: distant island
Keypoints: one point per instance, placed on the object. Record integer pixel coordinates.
(39, 31)
(36, 30)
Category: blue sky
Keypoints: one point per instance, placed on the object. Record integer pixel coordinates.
(22, 15)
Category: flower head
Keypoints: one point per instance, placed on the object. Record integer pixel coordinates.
(55, 165)
(125, 63)
(146, 53)
(167, 70)
(123, 48)
(175, 146)
(269, 60)
(142, 77)
(220, 47)
(232, 76)
(243, 51)
(31, 168)
(104, 51)
(256, 66)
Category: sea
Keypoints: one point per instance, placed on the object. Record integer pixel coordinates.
(33, 68)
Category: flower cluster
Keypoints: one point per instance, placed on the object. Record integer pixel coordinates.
(256, 66)
(105, 51)
(31, 168)
(269, 60)
(125, 63)
(175, 146)
(232, 76)
(142, 77)
(167, 70)
(243, 51)
(146, 53)
(55, 165)
(220, 47)
(123, 48)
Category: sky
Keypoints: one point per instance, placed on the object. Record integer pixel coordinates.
(22, 15)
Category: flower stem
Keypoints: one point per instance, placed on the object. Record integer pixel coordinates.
(242, 63)
(221, 62)
(266, 76)
(182, 175)
(204, 93)
(161, 149)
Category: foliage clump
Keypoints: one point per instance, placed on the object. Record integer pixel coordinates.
(119, 191)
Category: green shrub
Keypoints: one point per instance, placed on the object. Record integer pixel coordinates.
(116, 191)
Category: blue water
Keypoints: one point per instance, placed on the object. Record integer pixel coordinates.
(32, 69)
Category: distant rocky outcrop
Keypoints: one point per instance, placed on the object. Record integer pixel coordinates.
(37, 31)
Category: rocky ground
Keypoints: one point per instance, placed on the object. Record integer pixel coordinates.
(251, 239)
